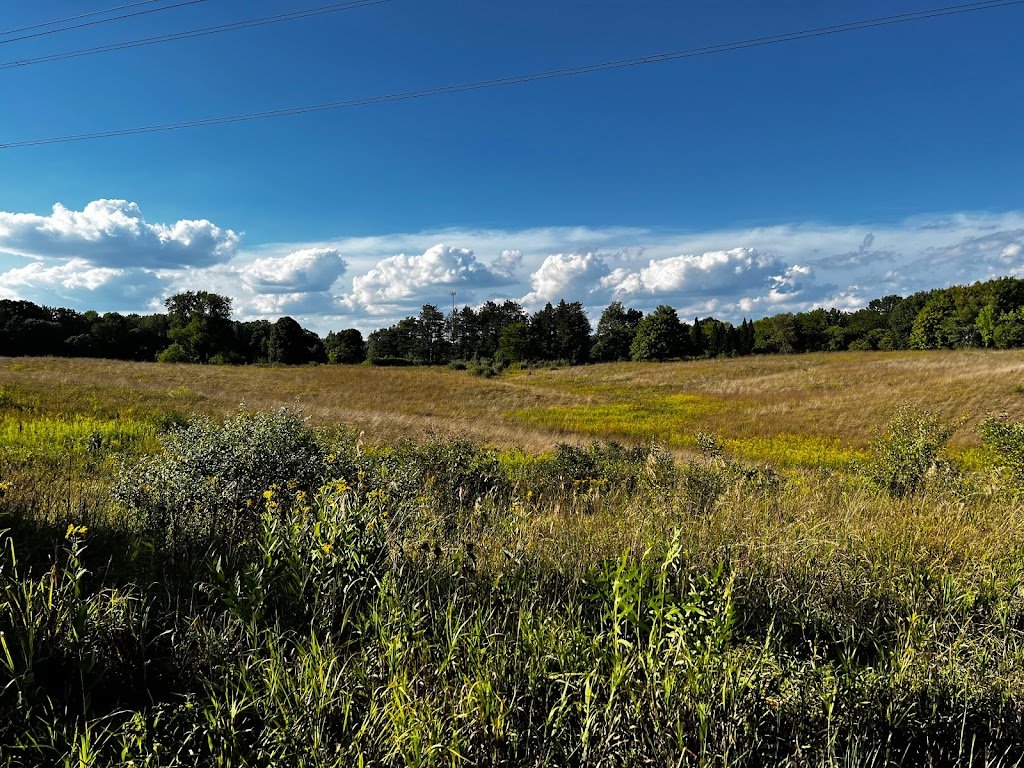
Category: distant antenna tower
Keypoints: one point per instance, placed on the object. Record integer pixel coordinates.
(453, 316)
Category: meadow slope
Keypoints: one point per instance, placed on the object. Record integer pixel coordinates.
(800, 409)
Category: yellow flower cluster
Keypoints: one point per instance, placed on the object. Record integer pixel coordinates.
(269, 496)
(76, 530)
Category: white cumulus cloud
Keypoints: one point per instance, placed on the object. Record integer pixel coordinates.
(78, 283)
(311, 270)
(406, 282)
(566, 276)
(692, 276)
(114, 233)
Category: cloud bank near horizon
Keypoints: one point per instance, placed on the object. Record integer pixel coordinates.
(108, 257)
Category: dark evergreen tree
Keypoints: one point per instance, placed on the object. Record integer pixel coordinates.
(492, 318)
(572, 333)
(543, 344)
(698, 348)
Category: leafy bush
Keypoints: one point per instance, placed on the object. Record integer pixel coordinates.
(209, 479)
(176, 353)
(1007, 442)
(613, 465)
(704, 481)
(906, 451)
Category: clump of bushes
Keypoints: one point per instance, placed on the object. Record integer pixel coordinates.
(1006, 441)
(574, 470)
(209, 479)
(906, 451)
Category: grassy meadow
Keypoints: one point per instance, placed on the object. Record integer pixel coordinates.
(785, 560)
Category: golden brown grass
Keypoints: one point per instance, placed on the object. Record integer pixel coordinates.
(790, 408)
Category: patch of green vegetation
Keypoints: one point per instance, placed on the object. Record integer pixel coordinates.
(16, 399)
(74, 436)
(808, 451)
(665, 419)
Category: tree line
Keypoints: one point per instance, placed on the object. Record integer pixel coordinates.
(985, 314)
(197, 328)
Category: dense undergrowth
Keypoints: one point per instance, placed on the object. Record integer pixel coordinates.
(254, 592)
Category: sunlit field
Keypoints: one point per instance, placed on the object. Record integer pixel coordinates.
(788, 560)
(802, 410)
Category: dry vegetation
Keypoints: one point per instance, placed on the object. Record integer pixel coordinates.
(797, 410)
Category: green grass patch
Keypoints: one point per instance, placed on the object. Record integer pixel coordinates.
(48, 436)
(666, 420)
(797, 451)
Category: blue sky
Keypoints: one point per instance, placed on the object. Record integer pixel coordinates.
(819, 172)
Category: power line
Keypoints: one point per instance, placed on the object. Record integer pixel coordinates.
(100, 21)
(532, 77)
(258, 22)
(76, 18)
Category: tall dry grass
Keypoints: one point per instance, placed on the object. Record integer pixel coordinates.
(836, 397)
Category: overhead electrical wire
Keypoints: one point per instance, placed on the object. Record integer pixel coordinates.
(171, 37)
(42, 24)
(97, 22)
(531, 77)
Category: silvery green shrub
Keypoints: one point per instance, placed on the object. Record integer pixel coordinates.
(211, 479)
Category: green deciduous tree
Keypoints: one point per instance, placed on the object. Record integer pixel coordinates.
(287, 343)
(514, 343)
(345, 347)
(200, 325)
(659, 336)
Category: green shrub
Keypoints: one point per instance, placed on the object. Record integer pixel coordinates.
(611, 465)
(389, 362)
(208, 481)
(705, 480)
(904, 453)
(176, 354)
(1007, 443)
